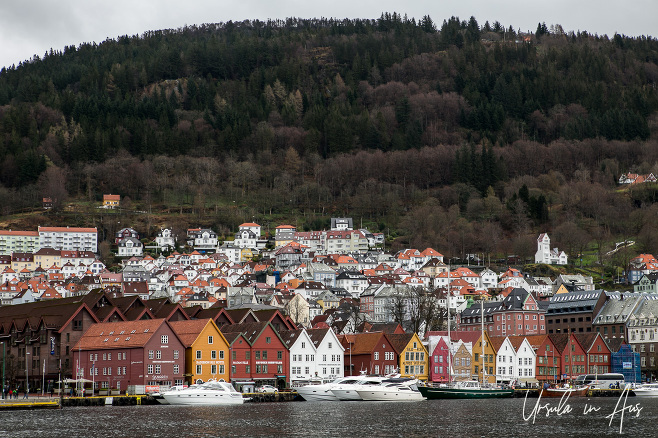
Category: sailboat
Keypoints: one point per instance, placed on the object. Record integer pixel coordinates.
(464, 389)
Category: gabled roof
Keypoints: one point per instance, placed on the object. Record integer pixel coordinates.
(400, 341)
(189, 331)
(361, 343)
(250, 330)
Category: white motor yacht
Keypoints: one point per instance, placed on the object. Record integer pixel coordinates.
(158, 395)
(646, 390)
(392, 390)
(322, 391)
(212, 392)
(348, 391)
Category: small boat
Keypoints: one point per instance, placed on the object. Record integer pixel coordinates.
(560, 392)
(391, 390)
(646, 390)
(466, 389)
(212, 392)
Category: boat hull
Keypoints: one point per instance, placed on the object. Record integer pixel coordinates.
(203, 399)
(370, 395)
(316, 394)
(432, 393)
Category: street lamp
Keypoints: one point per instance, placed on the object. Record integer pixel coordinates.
(27, 378)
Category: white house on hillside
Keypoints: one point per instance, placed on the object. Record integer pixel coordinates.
(547, 255)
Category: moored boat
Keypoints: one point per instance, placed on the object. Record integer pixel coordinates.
(322, 392)
(348, 390)
(467, 389)
(212, 392)
(560, 392)
(392, 390)
(646, 390)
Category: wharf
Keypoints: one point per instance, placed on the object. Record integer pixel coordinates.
(29, 403)
(117, 400)
(261, 397)
(534, 392)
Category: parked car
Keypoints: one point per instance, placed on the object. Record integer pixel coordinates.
(266, 388)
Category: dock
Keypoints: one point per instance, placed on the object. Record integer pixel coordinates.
(534, 392)
(29, 403)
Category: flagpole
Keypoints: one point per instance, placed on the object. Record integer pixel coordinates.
(43, 377)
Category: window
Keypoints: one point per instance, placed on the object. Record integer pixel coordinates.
(268, 340)
(175, 354)
(213, 354)
(213, 369)
(151, 354)
(279, 354)
(164, 339)
(157, 369)
(149, 369)
(221, 354)
(158, 354)
(198, 369)
(377, 358)
(198, 354)
(329, 345)
(264, 354)
(257, 355)
(176, 369)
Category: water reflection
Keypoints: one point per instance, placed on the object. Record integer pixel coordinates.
(453, 418)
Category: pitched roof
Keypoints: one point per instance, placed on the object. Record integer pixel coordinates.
(399, 341)
(189, 331)
(120, 334)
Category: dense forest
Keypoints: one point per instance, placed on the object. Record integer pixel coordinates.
(467, 137)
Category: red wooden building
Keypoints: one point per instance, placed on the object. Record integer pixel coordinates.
(598, 354)
(549, 360)
(439, 363)
(257, 353)
(572, 354)
(124, 353)
(368, 352)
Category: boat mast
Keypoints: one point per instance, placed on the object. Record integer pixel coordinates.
(449, 338)
(482, 335)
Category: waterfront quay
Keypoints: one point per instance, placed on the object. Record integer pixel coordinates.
(46, 402)
(534, 392)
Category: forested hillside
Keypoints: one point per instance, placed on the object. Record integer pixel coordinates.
(464, 136)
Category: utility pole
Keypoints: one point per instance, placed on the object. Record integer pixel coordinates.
(4, 359)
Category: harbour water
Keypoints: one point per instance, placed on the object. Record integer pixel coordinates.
(454, 418)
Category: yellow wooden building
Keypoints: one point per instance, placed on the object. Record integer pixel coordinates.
(488, 360)
(206, 350)
(412, 355)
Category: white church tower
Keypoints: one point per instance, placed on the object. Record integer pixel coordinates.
(547, 256)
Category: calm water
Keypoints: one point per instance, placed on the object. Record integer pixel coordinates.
(453, 418)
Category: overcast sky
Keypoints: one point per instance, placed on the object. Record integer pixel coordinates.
(29, 27)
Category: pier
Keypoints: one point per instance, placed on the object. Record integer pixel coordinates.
(534, 392)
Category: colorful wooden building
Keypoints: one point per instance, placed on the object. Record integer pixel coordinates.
(206, 350)
(120, 354)
(412, 355)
